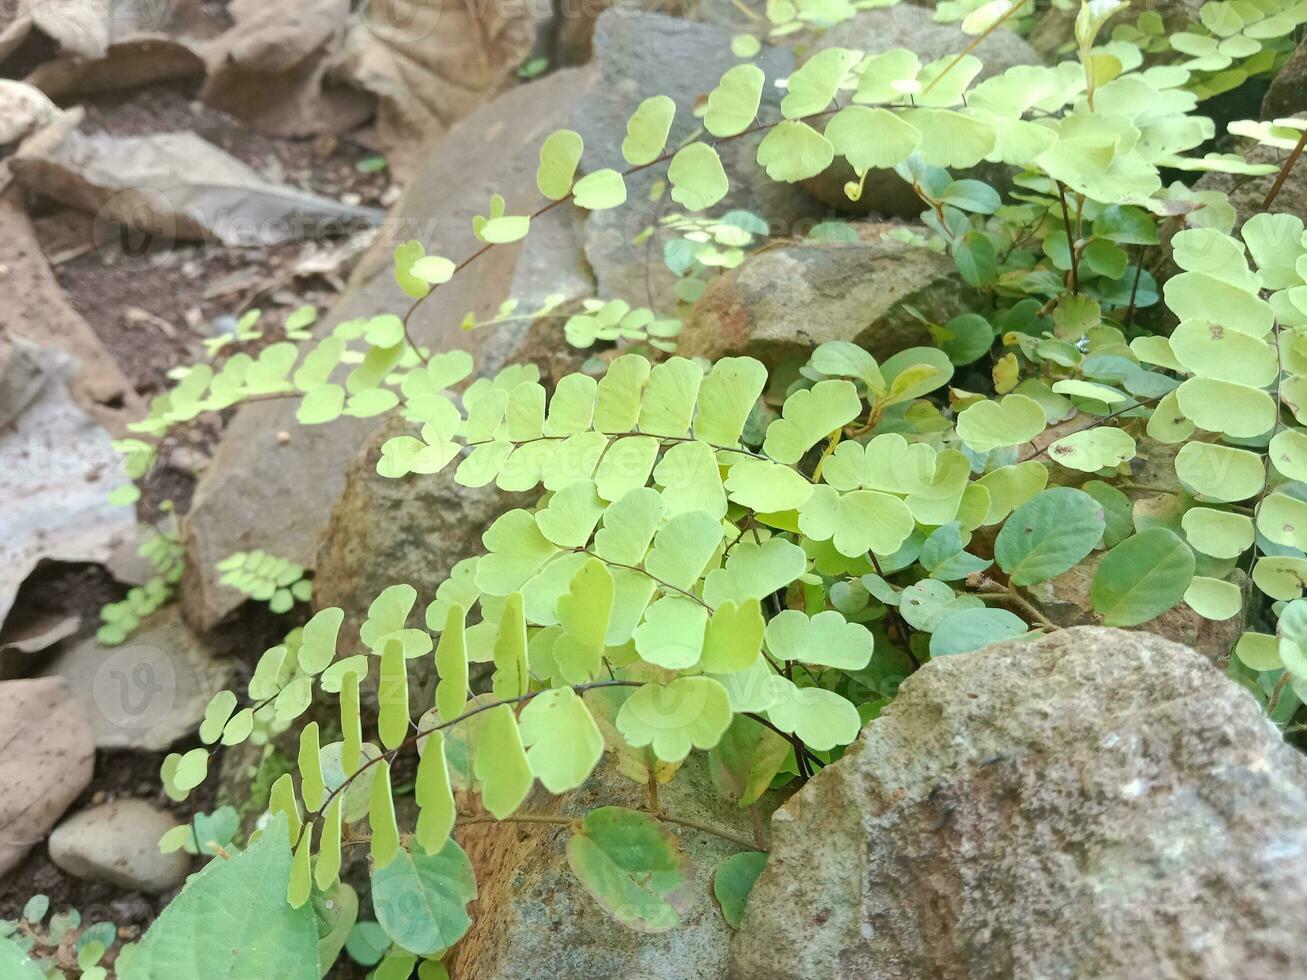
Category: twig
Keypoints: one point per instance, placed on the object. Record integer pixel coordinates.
(1070, 239)
(1283, 175)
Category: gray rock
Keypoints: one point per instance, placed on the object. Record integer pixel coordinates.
(914, 28)
(784, 301)
(1094, 803)
(263, 492)
(383, 532)
(1287, 95)
(118, 843)
(151, 691)
(639, 55)
(46, 759)
(533, 918)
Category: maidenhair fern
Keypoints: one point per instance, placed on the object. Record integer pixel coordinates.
(745, 563)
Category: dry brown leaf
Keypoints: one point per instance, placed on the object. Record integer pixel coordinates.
(432, 62)
(269, 70)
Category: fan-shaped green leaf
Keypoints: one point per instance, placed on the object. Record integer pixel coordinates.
(647, 129)
(811, 88)
(820, 718)
(1142, 577)
(563, 743)
(826, 639)
(672, 718)
(1010, 421)
(434, 796)
(584, 613)
(1213, 598)
(733, 881)
(810, 415)
(559, 155)
(697, 177)
(1220, 473)
(733, 104)
(794, 151)
(871, 138)
(1049, 534)
(421, 899)
(971, 629)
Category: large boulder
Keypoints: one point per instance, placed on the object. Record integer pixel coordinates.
(1093, 803)
(914, 28)
(533, 918)
(640, 55)
(781, 302)
(272, 483)
(47, 760)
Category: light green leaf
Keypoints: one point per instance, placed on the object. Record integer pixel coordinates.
(517, 550)
(820, 718)
(734, 637)
(1220, 473)
(856, 522)
(733, 104)
(451, 665)
(392, 696)
(559, 155)
(584, 614)
(1198, 296)
(384, 845)
(669, 398)
(673, 718)
(571, 516)
(1288, 452)
(755, 571)
(629, 526)
(512, 677)
(1218, 533)
(309, 762)
(1283, 519)
(647, 129)
(1213, 598)
(1142, 577)
(811, 88)
(1049, 534)
(1091, 450)
(600, 190)
(1010, 421)
(1210, 351)
(810, 415)
(697, 177)
(434, 796)
(1221, 406)
(672, 634)
(563, 743)
(727, 395)
(871, 138)
(216, 715)
(826, 639)
(500, 764)
(766, 487)
(794, 151)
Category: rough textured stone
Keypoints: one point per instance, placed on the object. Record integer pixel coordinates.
(783, 301)
(261, 492)
(639, 55)
(1287, 95)
(385, 531)
(1091, 804)
(118, 843)
(914, 28)
(46, 759)
(533, 919)
(148, 693)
